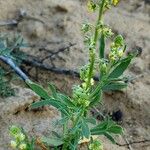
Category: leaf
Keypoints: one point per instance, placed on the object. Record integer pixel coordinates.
(62, 121)
(96, 98)
(66, 100)
(114, 86)
(38, 90)
(110, 137)
(41, 103)
(85, 129)
(53, 90)
(115, 129)
(119, 70)
(102, 46)
(52, 141)
(60, 106)
(100, 128)
(91, 120)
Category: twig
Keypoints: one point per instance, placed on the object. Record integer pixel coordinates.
(61, 50)
(134, 142)
(129, 146)
(8, 23)
(9, 61)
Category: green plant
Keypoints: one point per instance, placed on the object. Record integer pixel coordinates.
(9, 49)
(20, 139)
(75, 121)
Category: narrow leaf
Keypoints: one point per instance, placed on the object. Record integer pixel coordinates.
(102, 46)
(115, 129)
(91, 120)
(52, 141)
(66, 100)
(100, 128)
(53, 90)
(60, 106)
(114, 86)
(38, 90)
(41, 103)
(119, 70)
(96, 98)
(85, 129)
(110, 137)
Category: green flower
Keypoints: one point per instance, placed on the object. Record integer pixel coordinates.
(13, 144)
(119, 41)
(85, 27)
(22, 146)
(14, 130)
(91, 6)
(96, 145)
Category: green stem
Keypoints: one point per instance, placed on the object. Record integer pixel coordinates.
(92, 59)
(99, 20)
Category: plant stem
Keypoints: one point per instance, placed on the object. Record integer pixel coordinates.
(92, 51)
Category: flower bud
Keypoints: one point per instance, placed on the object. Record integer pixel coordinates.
(107, 32)
(92, 81)
(103, 68)
(14, 130)
(21, 136)
(85, 28)
(86, 103)
(115, 2)
(120, 53)
(119, 41)
(91, 6)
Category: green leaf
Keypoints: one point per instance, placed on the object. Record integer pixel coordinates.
(119, 70)
(85, 129)
(100, 128)
(53, 90)
(96, 98)
(110, 137)
(52, 141)
(38, 90)
(91, 120)
(102, 46)
(115, 129)
(65, 99)
(62, 121)
(41, 103)
(114, 86)
(60, 106)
